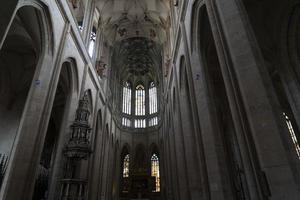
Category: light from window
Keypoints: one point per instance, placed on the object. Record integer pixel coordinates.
(155, 172)
(140, 100)
(92, 44)
(293, 135)
(126, 122)
(140, 123)
(127, 99)
(152, 99)
(126, 166)
(153, 121)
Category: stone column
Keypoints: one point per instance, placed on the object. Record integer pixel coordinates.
(243, 71)
(179, 148)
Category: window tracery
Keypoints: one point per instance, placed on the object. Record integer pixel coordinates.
(91, 48)
(139, 105)
(140, 100)
(152, 98)
(140, 123)
(127, 98)
(153, 121)
(126, 122)
(155, 172)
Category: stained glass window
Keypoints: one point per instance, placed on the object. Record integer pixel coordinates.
(127, 98)
(152, 98)
(126, 122)
(153, 121)
(126, 166)
(155, 171)
(140, 123)
(292, 133)
(140, 100)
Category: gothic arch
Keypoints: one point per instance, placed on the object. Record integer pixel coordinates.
(45, 25)
(22, 56)
(73, 71)
(197, 12)
(56, 126)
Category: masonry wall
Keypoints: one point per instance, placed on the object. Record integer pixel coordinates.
(253, 159)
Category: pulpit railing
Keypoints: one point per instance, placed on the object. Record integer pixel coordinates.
(73, 189)
(3, 166)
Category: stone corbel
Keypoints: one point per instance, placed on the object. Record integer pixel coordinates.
(101, 68)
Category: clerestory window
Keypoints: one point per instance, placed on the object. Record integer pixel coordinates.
(152, 99)
(139, 105)
(140, 100)
(127, 98)
(92, 43)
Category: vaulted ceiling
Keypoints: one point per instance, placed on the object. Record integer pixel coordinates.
(137, 58)
(122, 19)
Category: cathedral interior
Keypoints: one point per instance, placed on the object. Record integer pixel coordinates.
(150, 100)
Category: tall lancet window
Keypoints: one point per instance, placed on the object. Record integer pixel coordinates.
(155, 172)
(92, 43)
(293, 135)
(127, 99)
(126, 162)
(140, 100)
(152, 98)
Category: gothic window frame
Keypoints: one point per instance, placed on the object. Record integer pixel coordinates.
(127, 98)
(126, 166)
(153, 98)
(92, 42)
(155, 171)
(140, 100)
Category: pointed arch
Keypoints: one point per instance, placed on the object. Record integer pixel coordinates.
(153, 101)
(127, 98)
(155, 171)
(140, 98)
(125, 168)
(24, 55)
